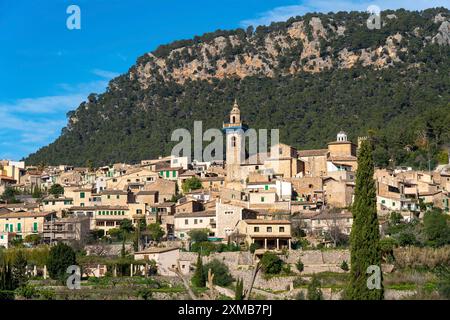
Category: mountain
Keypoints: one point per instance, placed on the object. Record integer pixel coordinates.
(310, 76)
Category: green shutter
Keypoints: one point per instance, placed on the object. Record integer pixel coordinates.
(174, 174)
(266, 187)
(35, 226)
(167, 174)
(19, 227)
(11, 228)
(82, 195)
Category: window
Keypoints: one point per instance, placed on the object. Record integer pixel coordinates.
(383, 201)
(269, 229)
(110, 223)
(82, 204)
(117, 197)
(174, 174)
(262, 199)
(167, 174)
(281, 229)
(229, 212)
(82, 195)
(100, 223)
(139, 211)
(255, 229)
(186, 221)
(114, 180)
(233, 141)
(35, 227)
(195, 221)
(19, 227)
(201, 221)
(266, 187)
(109, 197)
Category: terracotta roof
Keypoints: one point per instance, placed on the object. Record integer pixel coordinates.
(146, 192)
(114, 192)
(208, 213)
(313, 153)
(156, 250)
(95, 208)
(261, 221)
(26, 214)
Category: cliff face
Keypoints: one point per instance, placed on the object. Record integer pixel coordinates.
(312, 44)
(306, 73)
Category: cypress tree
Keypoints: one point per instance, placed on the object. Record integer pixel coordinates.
(239, 292)
(364, 237)
(199, 278)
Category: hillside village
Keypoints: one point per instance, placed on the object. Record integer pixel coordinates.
(282, 201)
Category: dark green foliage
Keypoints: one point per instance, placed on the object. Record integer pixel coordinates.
(155, 231)
(198, 235)
(414, 92)
(239, 290)
(364, 237)
(271, 263)
(60, 258)
(37, 192)
(9, 195)
(19, 268)
(344, 265)
(126, 226)
(253, 247)
(56, 190)
(300, 266)
(199, 277)
(207, 247)
(443, 273)
(222, 276)
(436, 228)
(190, 184)
(314, 292)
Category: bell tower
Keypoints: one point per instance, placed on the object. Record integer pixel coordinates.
(235, 148)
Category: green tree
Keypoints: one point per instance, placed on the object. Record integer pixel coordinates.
(56, 190)
(300, 266)
(9, 195)
(126, 226)
(190, 184)
(364, 237)
(199, 277)
(198, 235)
(271, 263)
(35, 239)
(436, 228)
(60, 258)
(314, 291)
(155, 231)
(37, 192)
(222, 276)
(239, 290)
(20, 268)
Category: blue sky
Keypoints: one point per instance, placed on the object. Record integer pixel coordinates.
(47, 69)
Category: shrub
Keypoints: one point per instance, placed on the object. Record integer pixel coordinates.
(222, 276)
(344, 265)
(253, 247)
(198, 235)
(314, 291)
(300, 266)
(271, 263)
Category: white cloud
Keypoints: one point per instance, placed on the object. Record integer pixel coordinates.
(283, 13)
(29, 123)
(105, 73)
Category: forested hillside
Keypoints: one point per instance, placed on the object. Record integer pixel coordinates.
(311, 77)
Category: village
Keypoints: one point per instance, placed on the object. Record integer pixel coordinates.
(164, 213)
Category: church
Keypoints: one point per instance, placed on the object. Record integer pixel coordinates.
(281, 161)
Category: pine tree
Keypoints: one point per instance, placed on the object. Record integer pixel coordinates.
(314, 292)
(364, 237)
(199, 279)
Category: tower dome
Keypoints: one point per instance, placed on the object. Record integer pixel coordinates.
(341, 136)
